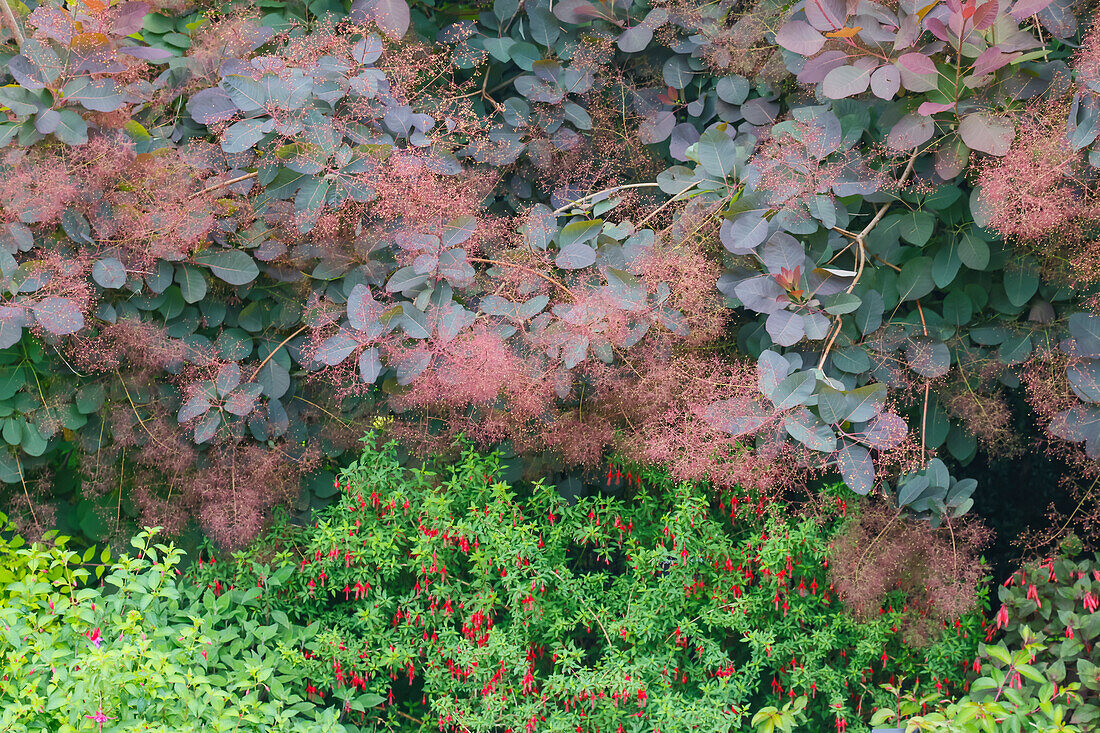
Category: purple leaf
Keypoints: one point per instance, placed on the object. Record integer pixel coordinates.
(1027, 8)
(760, 294)
(207, 427)
(826, 15)
(786, 328)
(656, 126)
(146, 53)
(987, 133)
(229, 376)
(53, 23)
(885, 82)
(771, 369)
(800, 37)
(635, 40)
(575, 256)
(927, 357)
(129, 17)
(370, 365)
(192, 408)
(335, 349)
(59, 316)
(391, 16)
(816, 68)
(807, 429)
(242, 400)
(12, 321)
(911, 131)
(992, 59)
(364, 312)
(885, 432)
(856, 468)
(743, 234)
(936, 27)
(782, 251)
(575, 11)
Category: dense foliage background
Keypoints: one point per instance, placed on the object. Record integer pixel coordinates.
(674, 261)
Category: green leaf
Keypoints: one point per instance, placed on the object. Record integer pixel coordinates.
(192, 283)
(231, 265)
(794, 390)
(916, 228)
(241, 136)
(579, 232)
(249, 95)
(973, 251)
(915, 280)
(717, 152)
(72, 130)
(841, 303)
(1021, 283)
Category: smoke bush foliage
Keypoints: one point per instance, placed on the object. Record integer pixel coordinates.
(753, 243)
(472, 604)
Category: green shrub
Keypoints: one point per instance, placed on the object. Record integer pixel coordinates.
(143, 652)
(475, 605)
(1042, 672)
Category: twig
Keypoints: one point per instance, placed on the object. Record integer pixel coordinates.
(611, 190)
(276, 349)
(13, 24)
(223, 184)
(134, 408)
(658, 210)
(861, 249)
(30, 504)
(418, 721)
(544, 276)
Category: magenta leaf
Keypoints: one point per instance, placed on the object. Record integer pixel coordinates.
(931, 108)
(918, 63)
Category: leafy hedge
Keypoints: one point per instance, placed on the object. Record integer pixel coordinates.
(472, 604)
(810, 237)
(144, 652)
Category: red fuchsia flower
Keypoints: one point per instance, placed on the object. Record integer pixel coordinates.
(1002, 618)
(93, 636)
(1069, 632)
(1033, 595)
(99, 716)
(1091, 602)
